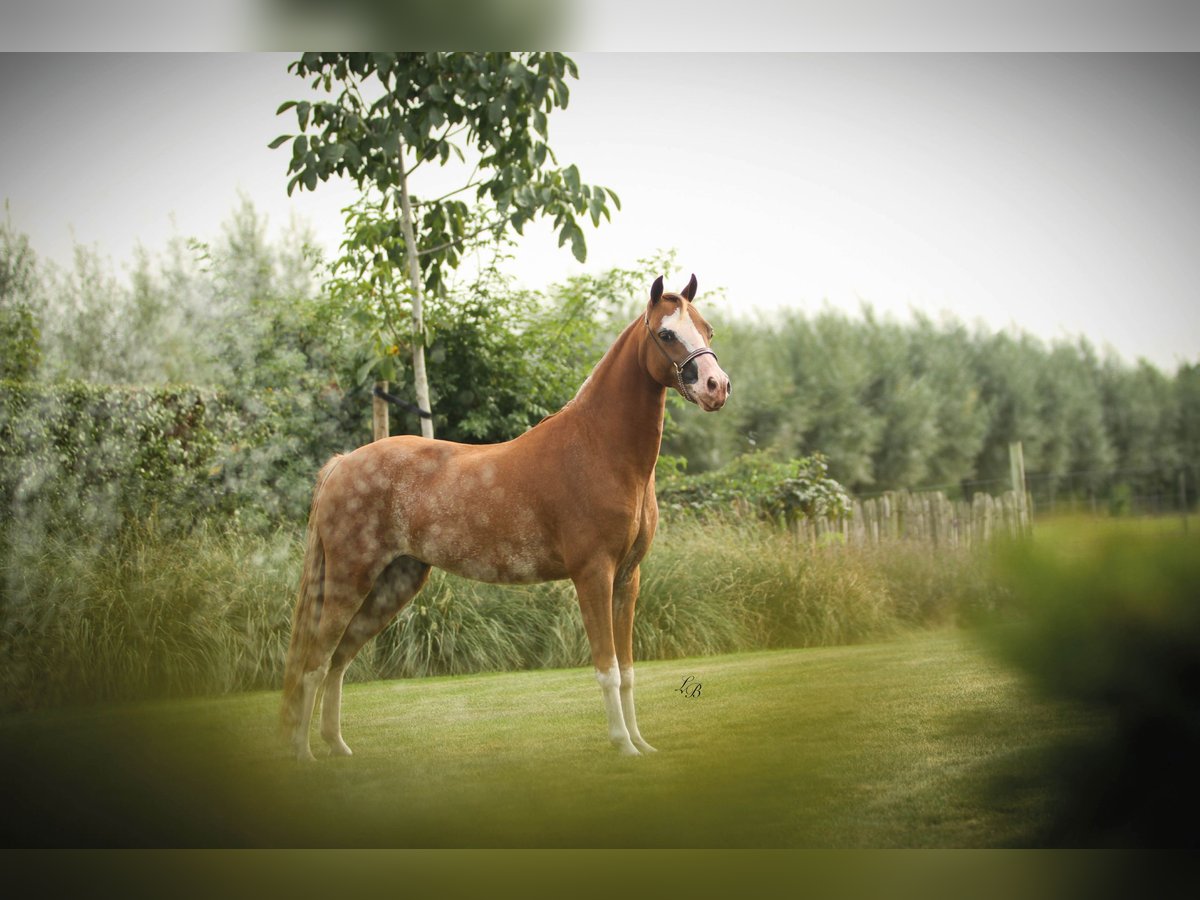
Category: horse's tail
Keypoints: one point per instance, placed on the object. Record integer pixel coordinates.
(307, 615)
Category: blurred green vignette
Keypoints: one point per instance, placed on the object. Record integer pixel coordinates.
(418, 23)
(1106, 615)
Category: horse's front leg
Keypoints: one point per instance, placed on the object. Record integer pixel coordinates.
(625, 596)
(595, 590)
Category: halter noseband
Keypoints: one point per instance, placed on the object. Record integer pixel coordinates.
(678, 366)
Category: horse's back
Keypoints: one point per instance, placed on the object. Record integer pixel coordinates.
(474, 510)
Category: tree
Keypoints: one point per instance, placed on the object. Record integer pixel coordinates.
(1187, 397)
(497, 103)
(20, 350)
(940, 356)
(1075, 448)
(1006, 367)
(1141, 415)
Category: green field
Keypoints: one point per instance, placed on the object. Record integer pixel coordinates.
(923, 741)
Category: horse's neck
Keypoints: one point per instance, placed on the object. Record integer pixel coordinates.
(622, 407)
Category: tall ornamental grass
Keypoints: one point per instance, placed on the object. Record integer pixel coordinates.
(147, 615)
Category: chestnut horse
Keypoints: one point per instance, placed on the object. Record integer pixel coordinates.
(573, 497)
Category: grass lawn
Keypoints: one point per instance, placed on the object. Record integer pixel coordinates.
(924, 741)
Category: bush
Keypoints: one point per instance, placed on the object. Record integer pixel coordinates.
(1109, 619)
(92, 459)
(756, 482)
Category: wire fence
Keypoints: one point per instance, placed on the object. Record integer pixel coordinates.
(926, 516)
(973, 512)
(1113, 492)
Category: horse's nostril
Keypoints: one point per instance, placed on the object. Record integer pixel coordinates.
(712, 385)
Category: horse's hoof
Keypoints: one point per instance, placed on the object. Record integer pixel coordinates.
(339, 748)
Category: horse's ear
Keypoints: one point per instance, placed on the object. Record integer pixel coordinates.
(656, 290)
(689, 292)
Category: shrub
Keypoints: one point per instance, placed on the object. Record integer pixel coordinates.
(92, 459)
(1109, 618)
(783, 491)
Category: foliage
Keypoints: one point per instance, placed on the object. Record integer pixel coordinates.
(935, 405)
(503, 360)
(240, 317)
(96, 458)
(497, 104)
(90, 457)
(1107, 618)
(20, 350)
(759, 482)
(148, 612)
(143, 613)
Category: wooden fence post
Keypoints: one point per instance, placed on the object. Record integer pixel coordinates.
(379, 413)
(1016, 464)
(1183, 508)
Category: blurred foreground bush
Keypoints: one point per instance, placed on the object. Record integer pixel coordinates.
(1109, 617)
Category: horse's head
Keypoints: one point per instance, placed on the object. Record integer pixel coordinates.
(684, 360)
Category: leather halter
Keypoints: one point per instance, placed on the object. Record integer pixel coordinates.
(678, 366)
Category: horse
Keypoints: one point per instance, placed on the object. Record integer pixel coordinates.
(571, 498)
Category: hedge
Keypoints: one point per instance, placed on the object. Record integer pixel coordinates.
(97, 457)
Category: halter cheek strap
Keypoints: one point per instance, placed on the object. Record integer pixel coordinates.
(678, 366)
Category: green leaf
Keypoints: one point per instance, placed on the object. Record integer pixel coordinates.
(364, 371)
(578, 244)
(279, 141)
(284, 107)
(596, 208)
(571, 177)
(331, 154)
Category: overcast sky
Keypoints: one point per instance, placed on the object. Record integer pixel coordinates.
(1059, 194)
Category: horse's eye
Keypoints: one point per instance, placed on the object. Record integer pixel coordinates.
(667, 336)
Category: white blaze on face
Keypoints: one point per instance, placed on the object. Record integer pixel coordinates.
(689, 337)
(685, 329)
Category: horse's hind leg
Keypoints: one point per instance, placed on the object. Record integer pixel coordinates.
(343, 595)
(394, 587)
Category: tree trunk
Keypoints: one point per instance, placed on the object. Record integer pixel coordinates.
(420, 379)
(379, 414)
